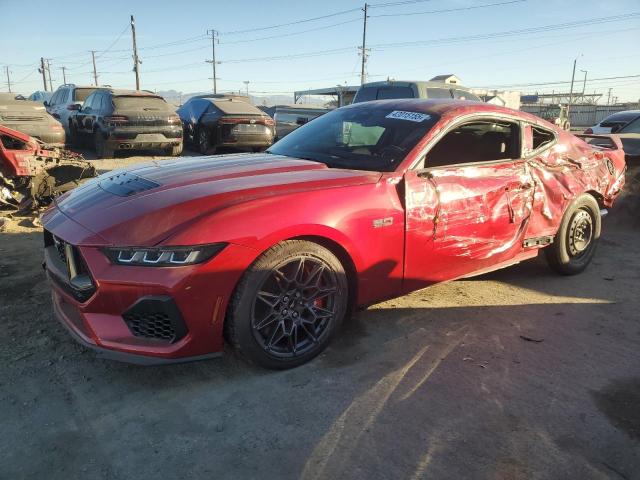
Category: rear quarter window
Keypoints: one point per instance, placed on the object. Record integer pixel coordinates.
(438, 93)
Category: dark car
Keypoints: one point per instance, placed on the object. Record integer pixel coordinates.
(290, 117)
(391, 89)
(127, 120)
(31, 118)
(630, 137)
(210, 123)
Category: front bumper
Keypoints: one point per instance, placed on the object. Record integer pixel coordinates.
(102, 318)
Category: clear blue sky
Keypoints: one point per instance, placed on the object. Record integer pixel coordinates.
(66, 31)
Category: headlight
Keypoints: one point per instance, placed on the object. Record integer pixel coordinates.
(162, 256)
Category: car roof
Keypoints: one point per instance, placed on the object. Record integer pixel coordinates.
(447, 106)
(623, 115)
(230, 106)
(130, 93)
(419, 83)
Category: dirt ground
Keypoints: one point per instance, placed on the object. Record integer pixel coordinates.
(518, 374)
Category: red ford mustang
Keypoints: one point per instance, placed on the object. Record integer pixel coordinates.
(159, 262)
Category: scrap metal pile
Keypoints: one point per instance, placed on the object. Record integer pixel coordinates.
(32, 172)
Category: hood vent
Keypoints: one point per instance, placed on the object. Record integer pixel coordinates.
(126, 183)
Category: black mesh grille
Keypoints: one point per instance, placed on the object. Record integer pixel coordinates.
(151, 325)
(155, 317)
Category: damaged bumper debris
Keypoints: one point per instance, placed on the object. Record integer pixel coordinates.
(32, 172)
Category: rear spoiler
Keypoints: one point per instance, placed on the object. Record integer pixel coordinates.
(603, 142)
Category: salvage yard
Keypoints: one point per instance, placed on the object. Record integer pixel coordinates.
(516, 374)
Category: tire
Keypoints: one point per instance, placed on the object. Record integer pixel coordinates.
(102, 151)
(296, 293)
(203, 141)
(175, 150)
(76, 141)
(568, 254)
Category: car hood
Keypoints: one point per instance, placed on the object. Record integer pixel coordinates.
(147, 203)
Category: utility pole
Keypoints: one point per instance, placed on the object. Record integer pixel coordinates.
(95, 72)
(49, 72)
(364, 45)
(6, 69)
(44, 74)
(573, 75)
(214, 36)
(246, 82)
(136, 60)
(584, 83)
(64, 77)
(609, 97)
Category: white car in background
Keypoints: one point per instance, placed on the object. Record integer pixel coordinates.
(617, 120)
(66, 101)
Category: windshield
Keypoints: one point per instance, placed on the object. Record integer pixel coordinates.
(360, 137)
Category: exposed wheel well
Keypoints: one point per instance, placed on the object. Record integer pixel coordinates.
(599, 198)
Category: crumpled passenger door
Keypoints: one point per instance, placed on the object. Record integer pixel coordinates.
(464, 219)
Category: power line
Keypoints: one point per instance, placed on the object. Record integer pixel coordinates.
(113, 43)
(509, 33)
(473, 7)
(293, 33)
(393, 4)
(561, 82)
(305, 20)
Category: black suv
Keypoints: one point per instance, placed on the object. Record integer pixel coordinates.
(127, 120)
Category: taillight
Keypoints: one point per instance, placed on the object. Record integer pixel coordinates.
(115, 120)
(588, 131)
(234, 120)
(269, 121)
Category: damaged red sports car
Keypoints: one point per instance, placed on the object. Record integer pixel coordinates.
(160, 262)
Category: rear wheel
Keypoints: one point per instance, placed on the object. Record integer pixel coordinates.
(288, 305)
(102, 151)
(575, 243)
(204, 143)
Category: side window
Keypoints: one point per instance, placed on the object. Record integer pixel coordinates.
(88, 103)
(478, 141)
(64, 97)
(633, 127)
(11, 143)
(541, 137)
(55, 98)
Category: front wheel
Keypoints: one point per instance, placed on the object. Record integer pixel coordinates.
(575, 243)
(288, 305)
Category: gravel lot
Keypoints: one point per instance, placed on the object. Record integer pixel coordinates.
(512, 375)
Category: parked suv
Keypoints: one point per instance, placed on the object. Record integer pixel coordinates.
(67, 100)
(408, 89)
(213, 122)
(127, 120)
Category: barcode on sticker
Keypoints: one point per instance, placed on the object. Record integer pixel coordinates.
(411, 116)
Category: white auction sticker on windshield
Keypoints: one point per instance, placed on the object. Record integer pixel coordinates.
(411, 116)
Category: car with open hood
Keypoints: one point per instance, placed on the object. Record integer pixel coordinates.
(162, 262)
